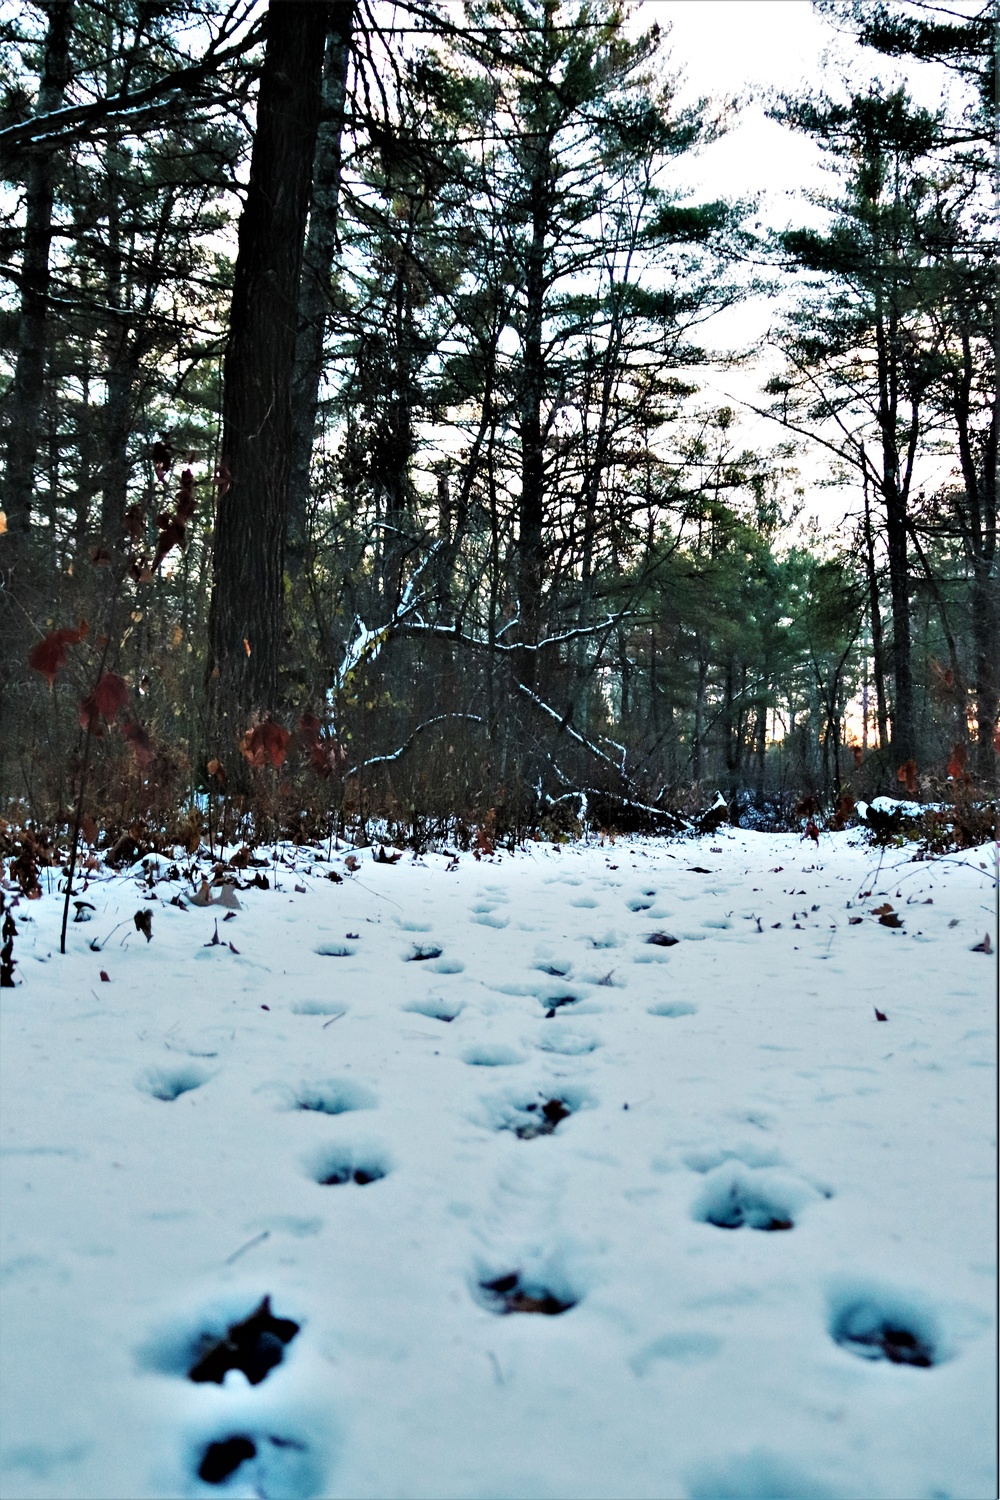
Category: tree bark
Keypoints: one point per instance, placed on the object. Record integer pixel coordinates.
(314, 291)
(246, 619)
(875, 616)
(531, 514)
(27, 388)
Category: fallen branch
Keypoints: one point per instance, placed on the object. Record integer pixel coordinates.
(378, 760)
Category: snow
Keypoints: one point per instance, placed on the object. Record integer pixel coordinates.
(557, 1210)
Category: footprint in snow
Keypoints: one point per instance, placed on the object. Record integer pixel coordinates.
(435, 1008)
(673, 1008)
(515, 1292)
(170, 1082)
(876, 1322)
(335, 950)
(251, 1340)
(279, 1466)
(492, 1055)
(539, 1112)
(447, 966)
(335, 1165)
(421, 953)
(735, 1195)
(333, 1097)
(567, 1043)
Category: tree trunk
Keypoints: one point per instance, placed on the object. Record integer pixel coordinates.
(246, 620)
(25, 401)
(117, 425)
(875, 616)
(318, 260)
(530, 548)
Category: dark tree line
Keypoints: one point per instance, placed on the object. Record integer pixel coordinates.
(352, 381)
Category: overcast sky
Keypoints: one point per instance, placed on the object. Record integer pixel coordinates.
(744, 49)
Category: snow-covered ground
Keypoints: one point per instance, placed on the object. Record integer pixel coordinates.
(608, 1216)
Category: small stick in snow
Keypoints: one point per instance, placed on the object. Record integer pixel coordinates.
(496, 1367)
(332, 1019)
(258, 1239)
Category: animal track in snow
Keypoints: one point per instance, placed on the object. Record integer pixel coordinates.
(435, 1008)
(420, 952)
(673, 1008)
(490, 919)
(334, 1097)
(332, 1166)
(252, 1341)
(875, 1322)
(567, 1043)
(254, 1345)
(277, 1466)
(760, 1198)
(610, 939)
(170, 1082)
(529, 1115)
(510, 1293)
(335, 950)
(492, 1055)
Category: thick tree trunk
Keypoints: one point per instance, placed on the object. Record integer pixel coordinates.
(246, 621)
(117, 425)
(314, 292)
(24, 405)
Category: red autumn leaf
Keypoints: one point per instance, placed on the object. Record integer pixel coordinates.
(956, 765)
(880, 1015)
(104, 977)
(185, 506)
(109, 695)
(266, 742)
(142, 745)
(163, 457)
(135, 522)
(907, 774)
(811, 831)
(309, 728)
(172, 535)
(50, 655)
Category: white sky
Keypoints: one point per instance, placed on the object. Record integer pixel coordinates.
(744, 49)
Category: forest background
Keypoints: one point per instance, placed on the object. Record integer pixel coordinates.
(363, 460)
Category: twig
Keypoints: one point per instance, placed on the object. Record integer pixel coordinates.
(258, 1239)
(332, 1019)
